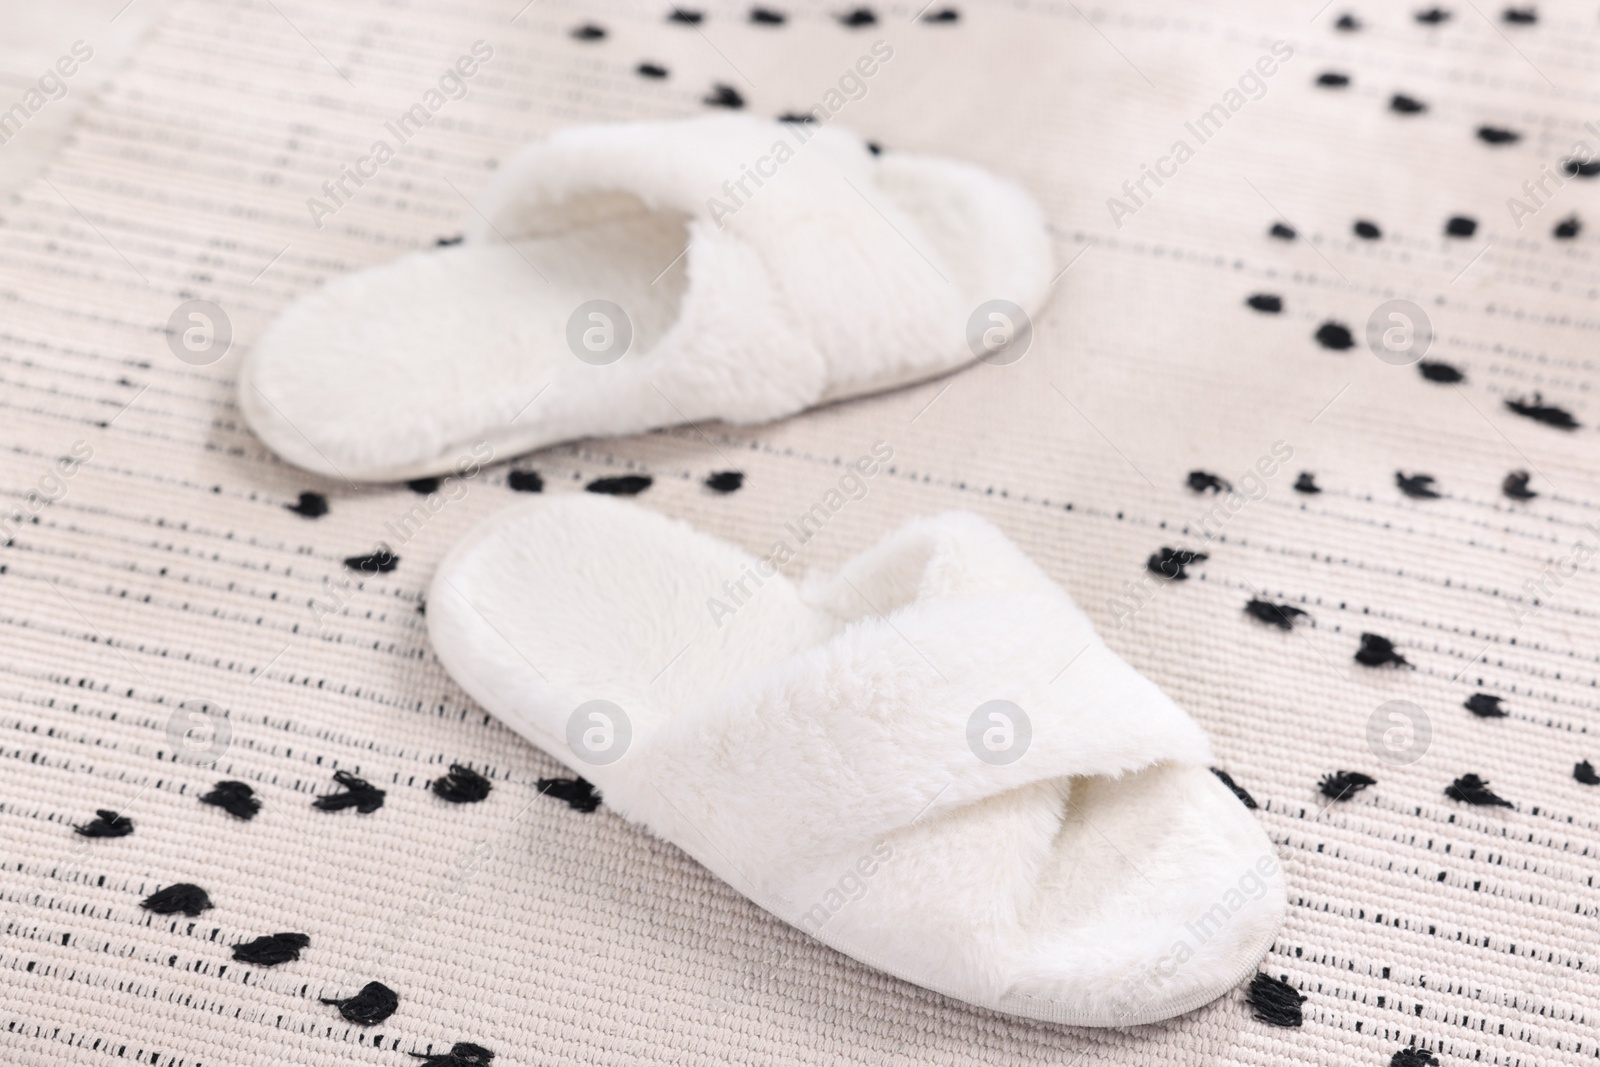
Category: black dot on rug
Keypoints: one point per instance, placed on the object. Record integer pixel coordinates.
(1266, 303)
(1471, 789)
(943, 15)
(1406, 105)
(1282, 616)
(1333, 80)
(1234, 787)
(765, 16)
(1537, 410)
(235, 798)
(1439, 371)
(375, 1003)
(1498, 135)
(1307, 483)
(1520, 16)
(525, 482)
(1274, 1001)
(1416, 486)
(1171, 563)
(1378, 651)
(1335, 336)
(1434, 16)
(1567, 228)
(357, 793)
(587, 32)
(1282, 232)
(578, 793)
(379, 562)
(1342, 785)
(423, 486)
(1206, 482)
(857, 18)
(725, 481)
(685, 16)
(723, 96)
(624, 485)
(461, 1054)
(1413, 1057)
(1347, 24)
(1485, 706)
(1461, 226)
(1581, 168)
(1367, 231)
(1515, 486)
(182, 896)
(269, 950)
(462, 785)
(106, 823)
(650, 70)
(310, 505)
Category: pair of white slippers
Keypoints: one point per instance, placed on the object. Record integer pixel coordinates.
(927, 760)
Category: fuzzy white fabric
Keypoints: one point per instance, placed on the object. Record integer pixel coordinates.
(808, 743)
(750, 298)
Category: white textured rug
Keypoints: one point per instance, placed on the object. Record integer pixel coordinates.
(167, 567)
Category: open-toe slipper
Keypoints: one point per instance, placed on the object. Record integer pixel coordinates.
(928, 760)
(621, 278)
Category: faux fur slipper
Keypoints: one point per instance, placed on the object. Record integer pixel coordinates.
(928, 760)
(621, 278)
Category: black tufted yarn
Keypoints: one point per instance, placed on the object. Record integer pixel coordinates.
(1460, 226)
(626, 485)
(269, 950)
(1567, 228)
(686, 17)
(588, 32)
(461, 1054)
(1170, 562)
(765, 16)
(1333, 80)
(525, 482)
(1520, 16)
(875, 148)
(1342, 785)
(182, 896)
(723, 96)
(1470, 789)
(1438, 371)
(235, 798)
(1485, 706)
(1580, 168)
(1413, 1057)
(1367, 231)
(1378, 651)
(644, 70)
(1583, 771)
(106, 823)
(725, 481)
(358, 793)
(1276, 1002)
(943, 15)
(1280, 615)
(310, 505)
(1281, 232)
(577, 792)
(1334, 335)
(446, 242)
(797, 117)
(1205, 481)
(1515, 486)
(1498, 135)
(1347, 23)
(857, 18)
(1266, 302)
(423, 486)
(381, 562)
(1227, 779)
(1433, 16)
(375, 1003)
(1537, 410)
(1307, 483)
(1416, 486)
(1406, 105)
(462, 785)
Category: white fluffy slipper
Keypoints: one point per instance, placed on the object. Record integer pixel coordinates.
(622, 278)
(929, 760)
